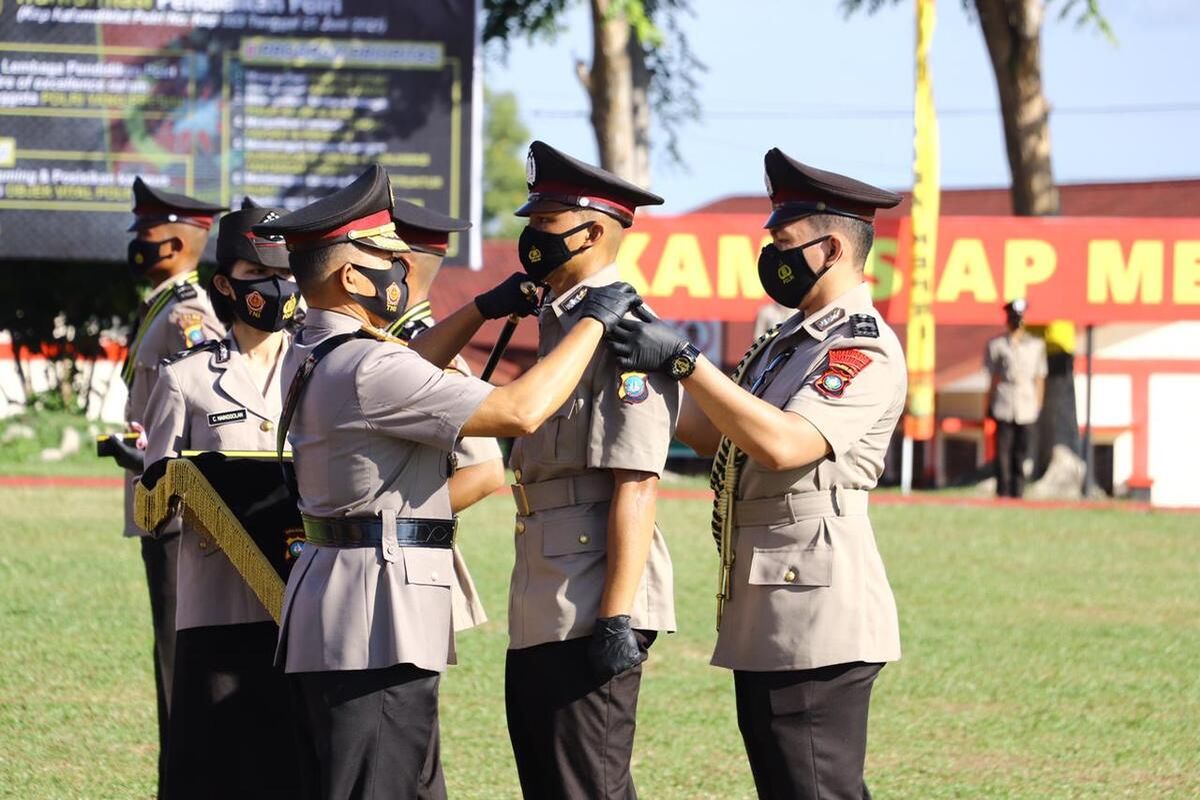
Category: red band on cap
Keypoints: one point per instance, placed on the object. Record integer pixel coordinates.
(373, 220)
(551, 188)
(157, 214)
(430, 240)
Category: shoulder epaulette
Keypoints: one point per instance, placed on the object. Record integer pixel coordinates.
(863, 326)
(184, 291)
(370, 332)
(209, 346)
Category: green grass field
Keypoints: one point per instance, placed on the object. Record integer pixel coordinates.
(1048, 654)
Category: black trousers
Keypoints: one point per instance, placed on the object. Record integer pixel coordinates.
(1012, 447)
(805, 731)
(232, 730)
(160, 556)
(571, 735)
(433, 779)
(368, 731)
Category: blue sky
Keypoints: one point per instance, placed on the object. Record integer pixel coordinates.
(837, 93)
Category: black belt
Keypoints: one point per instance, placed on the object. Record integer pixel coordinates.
(368, 531)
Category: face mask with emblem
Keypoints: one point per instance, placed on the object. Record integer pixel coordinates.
(265, 303)
(542, 252)
(391, 291)
(786, 275)
(143, 255)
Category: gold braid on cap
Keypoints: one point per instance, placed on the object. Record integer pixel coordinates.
(203, 508)
(726, 470)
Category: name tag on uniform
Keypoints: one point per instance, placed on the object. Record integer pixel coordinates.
(225, 417)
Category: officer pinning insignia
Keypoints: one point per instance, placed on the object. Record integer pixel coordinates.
(574, 300)
(192, 326)
(864, 326)
(634, 388)
(226, 417)
(840, 366)
(829, 319)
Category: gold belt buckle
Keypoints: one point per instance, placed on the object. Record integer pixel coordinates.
(521, 499)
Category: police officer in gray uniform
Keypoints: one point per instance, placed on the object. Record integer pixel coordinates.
(170, 231)
(592, 583)
(366, 627)
(1016, 367)
(806, 616)
(231, 724)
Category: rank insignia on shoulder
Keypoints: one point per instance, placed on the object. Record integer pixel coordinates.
(192, 326)
(826, 321)
(633, 388)
(864, 326)
(574, 300)
(840, 366)
(184, 291)
(211, 345)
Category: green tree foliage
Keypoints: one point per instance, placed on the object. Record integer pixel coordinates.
(504, 141)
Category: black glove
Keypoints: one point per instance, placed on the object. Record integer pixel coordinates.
(126, 455)
(509, 297)
(645, 344)
(607, 304)
(613, 648)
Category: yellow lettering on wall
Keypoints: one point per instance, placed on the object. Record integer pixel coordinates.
(967, 271)
(681, 266)
(885, 281)
(1110, 275)
(1187, 273)
(631, 250)
(737, 269)
(1027, 262)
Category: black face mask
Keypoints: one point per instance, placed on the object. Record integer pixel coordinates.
(542, 252)
(265, 303)
(785, 274)
(391, 291)
(143, 255)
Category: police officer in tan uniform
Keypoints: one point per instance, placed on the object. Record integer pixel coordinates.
(366, 628)
(1016, 365)
(592, 582)
(807, 617)
(231, 724)
(170, 232)
(479, 464)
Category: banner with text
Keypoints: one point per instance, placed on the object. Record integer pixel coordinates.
(281, 100)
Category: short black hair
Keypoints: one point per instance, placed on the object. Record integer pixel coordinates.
(860, 232)
(311, 267)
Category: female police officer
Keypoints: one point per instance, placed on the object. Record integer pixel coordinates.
(231, 732)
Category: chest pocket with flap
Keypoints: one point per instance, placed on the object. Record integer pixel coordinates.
(428, 566)
(792, 566)
(584, 534)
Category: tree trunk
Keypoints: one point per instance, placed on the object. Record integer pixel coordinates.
(620, 109)
(1012, 31)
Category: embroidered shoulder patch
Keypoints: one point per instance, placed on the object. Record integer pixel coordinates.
(574, 300)
(633, 388)
(840, 366)
(192, 326)
(833, 316)
(864, 326)
(184, 291)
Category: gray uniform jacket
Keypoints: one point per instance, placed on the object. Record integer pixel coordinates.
(809, 587)
(207, 400)
(372, 435)
(1017, 364)
(611, 421)
(187, 320)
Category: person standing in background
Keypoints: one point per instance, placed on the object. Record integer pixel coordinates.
(1016, 364)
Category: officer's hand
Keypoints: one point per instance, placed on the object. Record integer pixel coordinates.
(126, 455)
(645, 344)
(516, 294)
(613, 648)
(142, 441)
(608, 304)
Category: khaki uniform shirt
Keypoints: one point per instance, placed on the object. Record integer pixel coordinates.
(769, 316)
(1018, 364)
(809, 587)
(186, 321)
(183, 415)
(371, 435)
(610, 422)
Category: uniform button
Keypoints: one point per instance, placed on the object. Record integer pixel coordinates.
(203, 544)
(433, 576)
(520, 526)
(584, 538)
(517, 475)
(266, 426)
(790, 576)
(391, 550)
